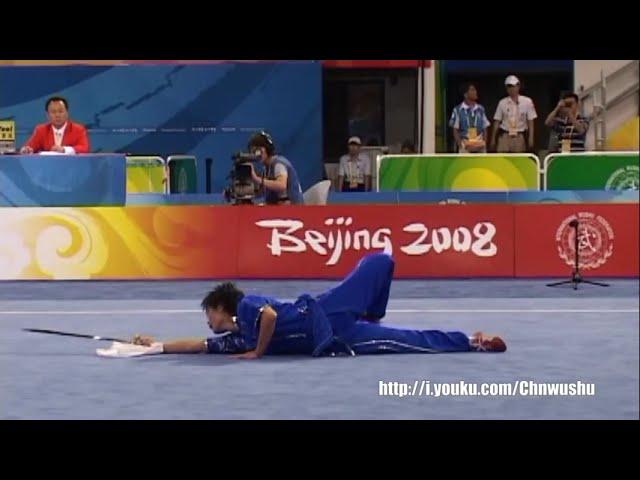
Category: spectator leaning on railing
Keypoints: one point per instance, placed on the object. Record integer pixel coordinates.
(568, 127)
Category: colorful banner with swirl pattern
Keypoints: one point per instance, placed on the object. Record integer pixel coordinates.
(189, 241)
(459, 172)
(116, 242)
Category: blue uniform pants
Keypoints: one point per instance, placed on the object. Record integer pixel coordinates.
(362, 297)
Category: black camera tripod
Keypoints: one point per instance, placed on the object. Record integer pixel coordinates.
(576, 278)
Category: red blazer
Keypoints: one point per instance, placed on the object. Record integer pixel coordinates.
(75, 135)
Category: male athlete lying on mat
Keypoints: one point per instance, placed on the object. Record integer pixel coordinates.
(343, 320)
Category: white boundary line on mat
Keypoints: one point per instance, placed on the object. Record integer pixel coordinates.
(424, 310)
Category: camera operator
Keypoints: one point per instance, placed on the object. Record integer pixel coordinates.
(279, 180)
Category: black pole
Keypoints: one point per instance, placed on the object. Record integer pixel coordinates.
(576, 246)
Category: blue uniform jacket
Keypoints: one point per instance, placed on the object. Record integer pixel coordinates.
(301, 328)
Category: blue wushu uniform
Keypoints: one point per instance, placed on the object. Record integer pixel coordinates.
(342, 320)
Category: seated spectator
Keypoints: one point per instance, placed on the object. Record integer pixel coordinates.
(60, 134)
(469, 122)
(354, 174)
(407, 148)
(568, 127)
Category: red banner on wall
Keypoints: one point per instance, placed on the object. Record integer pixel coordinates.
(192, 241)
(426, 240)
(607, 239)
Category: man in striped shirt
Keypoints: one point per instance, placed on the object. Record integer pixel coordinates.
(568, 127)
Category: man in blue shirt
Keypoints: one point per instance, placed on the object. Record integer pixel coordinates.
(279, 180)
(469, 122)
(342, 321)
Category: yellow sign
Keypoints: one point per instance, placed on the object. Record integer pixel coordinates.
(7, 131)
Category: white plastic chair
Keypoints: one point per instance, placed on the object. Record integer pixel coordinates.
(317, 195)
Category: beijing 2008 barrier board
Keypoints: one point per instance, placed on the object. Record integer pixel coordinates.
(154, 242)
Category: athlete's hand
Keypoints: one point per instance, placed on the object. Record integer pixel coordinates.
(250, 355)
(145, 340)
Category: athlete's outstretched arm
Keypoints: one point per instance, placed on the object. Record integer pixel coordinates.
(267, 326)
(181, 345)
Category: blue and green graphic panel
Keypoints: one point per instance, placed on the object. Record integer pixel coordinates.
(452, 172)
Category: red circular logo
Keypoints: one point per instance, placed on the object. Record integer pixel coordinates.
(595, 240)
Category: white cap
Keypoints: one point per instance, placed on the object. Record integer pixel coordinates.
(355, 140)
(512, 80)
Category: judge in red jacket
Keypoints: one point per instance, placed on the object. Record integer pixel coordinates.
(60, 134)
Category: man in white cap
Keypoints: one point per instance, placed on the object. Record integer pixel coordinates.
(355, 169)
(514, 116)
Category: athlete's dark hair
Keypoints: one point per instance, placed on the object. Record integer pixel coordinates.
(225, 295)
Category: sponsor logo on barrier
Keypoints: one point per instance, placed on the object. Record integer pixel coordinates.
(595, 240)
(288, 235)
(452, 201)
(7, 136)
(625, 178)
(8, 130)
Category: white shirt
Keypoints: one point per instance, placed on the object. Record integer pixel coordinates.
(355, 171)
(510, 112)
(58, 135)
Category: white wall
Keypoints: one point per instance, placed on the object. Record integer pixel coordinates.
(429, 107)
(587, 74)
